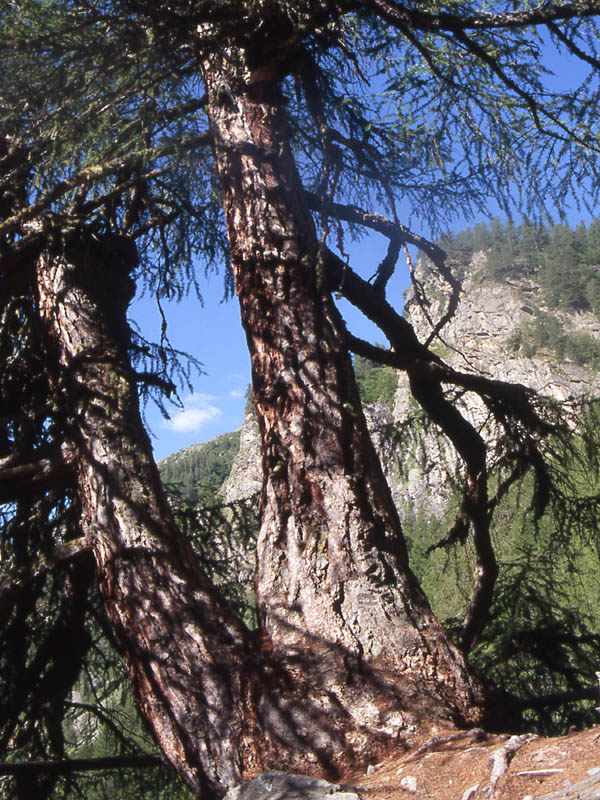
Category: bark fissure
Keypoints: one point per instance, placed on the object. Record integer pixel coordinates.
(156, 596)
(333, 583)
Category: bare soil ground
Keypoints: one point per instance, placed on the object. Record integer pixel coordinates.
(476, 766)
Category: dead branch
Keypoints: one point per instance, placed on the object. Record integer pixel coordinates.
(510, 405)
(141, 761)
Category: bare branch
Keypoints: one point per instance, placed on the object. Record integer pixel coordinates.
(18, 480)
(398, 236)
(142, 760)
(400, 15)
(381, 224)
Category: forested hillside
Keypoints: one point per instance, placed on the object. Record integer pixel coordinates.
(563, 261)
(197, 473)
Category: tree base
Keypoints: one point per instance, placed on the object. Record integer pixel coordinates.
(328, 713)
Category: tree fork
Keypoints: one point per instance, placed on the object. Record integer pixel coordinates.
(219, 702)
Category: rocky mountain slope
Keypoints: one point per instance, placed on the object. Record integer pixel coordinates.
(489, 334)
(493, 332)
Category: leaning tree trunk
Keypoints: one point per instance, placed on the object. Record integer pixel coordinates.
(185, 650)
(221, 704)
(334, 590)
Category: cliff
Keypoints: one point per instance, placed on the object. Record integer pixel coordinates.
(492, 333)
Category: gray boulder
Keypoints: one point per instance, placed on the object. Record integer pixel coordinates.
(284, 786)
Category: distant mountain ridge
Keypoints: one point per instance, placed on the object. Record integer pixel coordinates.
(518, 320)
(198, 472)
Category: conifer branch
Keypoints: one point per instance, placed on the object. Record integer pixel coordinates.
(399, 14)
(16, 582)
(141, 761)
(508, 403)
(96, 172)
(20, 479)
(536, 110)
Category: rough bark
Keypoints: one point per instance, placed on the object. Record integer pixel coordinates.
(220, 703)
(184, 648)
(349, 656)
(334, 589)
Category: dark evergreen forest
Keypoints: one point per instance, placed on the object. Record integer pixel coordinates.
(199, 474)
(565, 262)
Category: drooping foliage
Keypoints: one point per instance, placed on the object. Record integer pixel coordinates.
(106, 132)
(538, 649)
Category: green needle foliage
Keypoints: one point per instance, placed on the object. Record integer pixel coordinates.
(104, 127)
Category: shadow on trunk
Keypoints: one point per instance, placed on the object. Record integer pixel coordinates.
(222, 702)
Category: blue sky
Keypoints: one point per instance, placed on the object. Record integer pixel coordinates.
(212, 333)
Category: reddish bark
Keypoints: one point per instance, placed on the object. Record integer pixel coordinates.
(219, 702)
(184, 648)
(333, 584)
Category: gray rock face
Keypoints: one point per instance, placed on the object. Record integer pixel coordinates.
(488, 315)
(284, 786)
(245, 478)
(420, 469)
(478, 338)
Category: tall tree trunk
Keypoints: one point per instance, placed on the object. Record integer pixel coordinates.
(184, 648)
(334, 588)
(221, 704)
(350, 655)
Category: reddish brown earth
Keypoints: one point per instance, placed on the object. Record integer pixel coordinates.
(472, 766)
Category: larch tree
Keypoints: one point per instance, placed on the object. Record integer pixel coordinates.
(307, 120)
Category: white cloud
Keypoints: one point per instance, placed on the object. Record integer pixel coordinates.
(197, 411)
(237, 393)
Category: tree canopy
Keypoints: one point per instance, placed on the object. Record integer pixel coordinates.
(150, 141)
